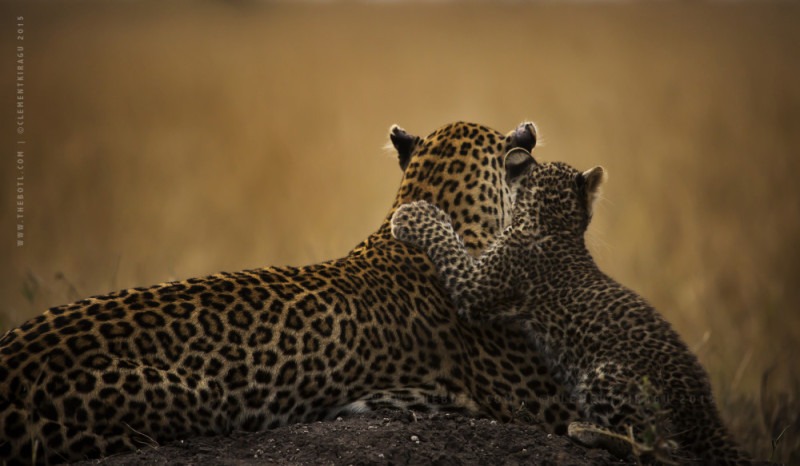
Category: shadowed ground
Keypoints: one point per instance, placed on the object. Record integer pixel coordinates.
(384, 438)
(164, 142)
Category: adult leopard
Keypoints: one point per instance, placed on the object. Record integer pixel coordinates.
(261, 348)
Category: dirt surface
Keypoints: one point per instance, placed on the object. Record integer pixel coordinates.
(387, 437)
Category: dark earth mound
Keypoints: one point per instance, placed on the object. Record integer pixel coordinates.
(387, 437)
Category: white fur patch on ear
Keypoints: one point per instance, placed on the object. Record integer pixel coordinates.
(517, 162)
(594, 179)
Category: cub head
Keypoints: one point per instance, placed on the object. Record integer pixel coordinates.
(557, 198)
(470, 171)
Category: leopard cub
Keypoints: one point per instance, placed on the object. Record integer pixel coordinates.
(639, 388)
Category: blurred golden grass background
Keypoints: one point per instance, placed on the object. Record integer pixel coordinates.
(169, 140)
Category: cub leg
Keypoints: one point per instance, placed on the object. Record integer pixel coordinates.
(477, 286)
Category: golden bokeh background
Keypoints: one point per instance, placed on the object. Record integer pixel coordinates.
(170, 140)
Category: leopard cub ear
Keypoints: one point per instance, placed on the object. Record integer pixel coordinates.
(592, 180)
(404, 143)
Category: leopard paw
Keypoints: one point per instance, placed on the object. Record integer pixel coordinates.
(401, 223)
(410, 222)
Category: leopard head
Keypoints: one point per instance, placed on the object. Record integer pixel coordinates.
(470, 171)
(556, 199)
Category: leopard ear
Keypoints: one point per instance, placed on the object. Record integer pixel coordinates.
(592, 180)
(524, 136)
(404, 143)
(518, 162)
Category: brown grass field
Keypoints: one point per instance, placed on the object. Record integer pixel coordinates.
(170, 140)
